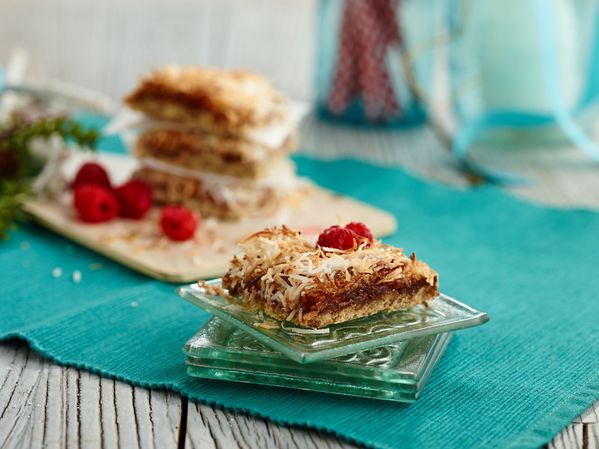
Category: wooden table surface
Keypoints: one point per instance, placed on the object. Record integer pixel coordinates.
(106, 45)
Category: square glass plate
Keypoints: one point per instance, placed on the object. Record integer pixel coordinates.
(396, 372)
(444, 314)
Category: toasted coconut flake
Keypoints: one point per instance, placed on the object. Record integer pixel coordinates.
(292, 314)
(215, 290)
(286, 265)
(305, 331)
(269, 324)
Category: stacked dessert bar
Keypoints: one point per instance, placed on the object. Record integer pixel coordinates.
(216, 141)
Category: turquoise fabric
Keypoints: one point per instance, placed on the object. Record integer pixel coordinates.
(513, 383)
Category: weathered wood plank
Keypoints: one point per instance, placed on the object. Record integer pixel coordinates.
(134, 417)
(590, 416)
(209, 427)
(44, 405)
(88, 412)
(23, 384)
(107, 413)
(166, 418)
(570, 437)
(591, 436)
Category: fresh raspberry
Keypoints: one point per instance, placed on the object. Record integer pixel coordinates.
(337, 237)
(361, 229)
(178, 223)
(135, 198)
(95, 204)
(91, 173)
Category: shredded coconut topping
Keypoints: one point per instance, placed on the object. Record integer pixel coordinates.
(286, 265)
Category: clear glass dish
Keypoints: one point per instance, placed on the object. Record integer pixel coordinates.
(444, 314)
(396, 372)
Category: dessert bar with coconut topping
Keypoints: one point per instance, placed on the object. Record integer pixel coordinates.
(214, 153)
(216, 100)
(225, 197)
(215, 140)
(289, 278)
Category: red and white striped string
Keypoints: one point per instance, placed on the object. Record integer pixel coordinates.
(368, 28)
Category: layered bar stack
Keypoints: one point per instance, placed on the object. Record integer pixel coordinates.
(217, 141)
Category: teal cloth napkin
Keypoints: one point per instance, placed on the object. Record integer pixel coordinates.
(513, 383)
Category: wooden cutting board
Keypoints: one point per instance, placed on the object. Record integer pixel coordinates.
(140, 244)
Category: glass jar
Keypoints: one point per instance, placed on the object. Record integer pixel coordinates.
(524, 71)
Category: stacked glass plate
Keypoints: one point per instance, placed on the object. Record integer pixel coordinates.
(385, 356)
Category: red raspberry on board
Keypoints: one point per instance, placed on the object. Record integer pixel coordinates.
(361, 229)
(91, 173)
(178, 223)
(95, 204)
(337, 237)
(135, 199)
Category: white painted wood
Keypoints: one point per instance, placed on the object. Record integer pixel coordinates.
(88, 400)
(580, 434)
(591, 437)
(44, 405)
(590, 416)
(208, 427)
(570, 437)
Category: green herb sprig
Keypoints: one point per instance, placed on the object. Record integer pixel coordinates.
(18, 167)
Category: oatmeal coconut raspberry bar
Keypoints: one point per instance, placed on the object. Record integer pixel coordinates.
(224, 197)
(223, 155)
(215, 100)
(346, 275)
(217, 141)
(211, 112)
